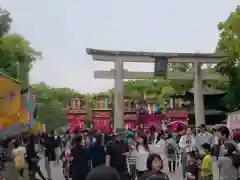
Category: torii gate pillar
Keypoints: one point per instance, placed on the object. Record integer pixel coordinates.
(118, 96)
(198, 94)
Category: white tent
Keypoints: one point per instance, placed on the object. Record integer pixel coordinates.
(233, 120)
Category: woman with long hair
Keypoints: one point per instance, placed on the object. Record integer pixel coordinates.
(159, 144)
(142, 153)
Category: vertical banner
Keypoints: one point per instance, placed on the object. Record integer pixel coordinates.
(32, 109)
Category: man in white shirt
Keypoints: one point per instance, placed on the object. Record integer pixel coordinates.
(203, 137)
(187, 142)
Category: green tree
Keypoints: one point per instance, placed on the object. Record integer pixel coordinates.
(5, 21)
(229, 45)
(229, 42)
(52, 104)
(16, 54)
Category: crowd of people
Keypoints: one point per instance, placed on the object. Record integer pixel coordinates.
(125, 156)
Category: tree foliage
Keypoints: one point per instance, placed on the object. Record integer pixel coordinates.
(52, 104)
(229, 42)
(16, 54)
(5, 21)
(229, 45)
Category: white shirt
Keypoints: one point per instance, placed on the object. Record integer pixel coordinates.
(159, 147)
(20, 151)
(141, 158)
(187, 143)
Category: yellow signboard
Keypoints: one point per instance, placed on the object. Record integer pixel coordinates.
(9, 96)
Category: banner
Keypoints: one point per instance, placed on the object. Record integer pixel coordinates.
(9, 96)
(27, 113)
(8, 84)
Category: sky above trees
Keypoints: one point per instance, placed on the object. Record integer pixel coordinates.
(62, 30)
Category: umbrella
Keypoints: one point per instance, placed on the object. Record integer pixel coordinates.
(178, 122)
(177, 125)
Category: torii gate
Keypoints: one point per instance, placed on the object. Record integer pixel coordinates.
(119, 74)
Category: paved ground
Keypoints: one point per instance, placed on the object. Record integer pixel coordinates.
(57, 172)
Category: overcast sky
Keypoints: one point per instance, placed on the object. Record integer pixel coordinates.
(63, 29)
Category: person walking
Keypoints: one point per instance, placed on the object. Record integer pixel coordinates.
(142, 153)
(19, 158)
(115, 156)
(97, 151)
(58, 148)
(33, 159)
(49, 153)
(203, 137)
(186, 144)
(80, 159)
(171, 152)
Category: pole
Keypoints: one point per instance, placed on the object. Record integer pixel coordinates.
(198, 95)
(18, 70)
(118, 96)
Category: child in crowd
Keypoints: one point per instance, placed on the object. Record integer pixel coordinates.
(206, 164)
(193, 168)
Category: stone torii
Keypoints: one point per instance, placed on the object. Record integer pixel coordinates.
(119, 74)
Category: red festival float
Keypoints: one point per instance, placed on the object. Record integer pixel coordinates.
(130, 115)
(76, 113)
(177, 118)
(153, 118)
(101, 113)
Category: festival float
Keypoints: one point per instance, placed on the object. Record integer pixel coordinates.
(11, 102)
(102, 113)
(77, 113)
(151, 117)
(177, 118)
(177, 115)
(130, 115)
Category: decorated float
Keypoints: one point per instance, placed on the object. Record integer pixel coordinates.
(102, 112)
(130, 115)
(18, 109)
(150, 116)
(177, 119)
(77, 113)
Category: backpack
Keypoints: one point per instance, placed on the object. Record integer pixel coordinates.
(170, 149)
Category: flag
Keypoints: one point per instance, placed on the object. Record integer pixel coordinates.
(32, 107)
